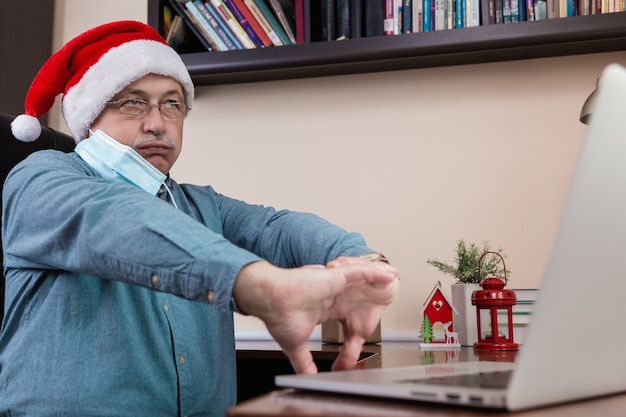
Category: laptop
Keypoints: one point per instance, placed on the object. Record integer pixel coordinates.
(576, 342)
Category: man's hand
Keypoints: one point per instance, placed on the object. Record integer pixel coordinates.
(291, 302)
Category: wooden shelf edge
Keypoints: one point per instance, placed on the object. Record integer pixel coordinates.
(492, 43)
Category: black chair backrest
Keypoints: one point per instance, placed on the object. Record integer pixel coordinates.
(13, 151)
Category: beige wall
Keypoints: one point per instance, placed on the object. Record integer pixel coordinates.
(415, 160)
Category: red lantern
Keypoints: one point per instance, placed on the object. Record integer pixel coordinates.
(494, 312)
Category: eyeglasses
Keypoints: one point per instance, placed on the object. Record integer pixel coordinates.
(136, 108)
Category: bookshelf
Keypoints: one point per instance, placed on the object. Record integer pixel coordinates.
(490, 43)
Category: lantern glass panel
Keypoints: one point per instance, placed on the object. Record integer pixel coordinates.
(503, 323)
(485, 323)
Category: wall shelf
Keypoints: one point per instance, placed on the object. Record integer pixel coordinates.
(490, 43)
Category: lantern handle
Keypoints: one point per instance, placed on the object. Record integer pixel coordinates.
(480, 261)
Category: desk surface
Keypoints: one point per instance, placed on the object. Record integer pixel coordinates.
(288, 402)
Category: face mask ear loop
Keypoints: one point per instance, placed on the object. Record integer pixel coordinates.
(169, 192)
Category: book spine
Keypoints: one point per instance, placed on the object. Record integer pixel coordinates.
(407, 16)
(459, 16)
(439, 15)
(426, 27)
(388, 23)
(243, 9)
(327, 21)
(298, 11)
(243, 22)
(417, 15)
(488, 12)
(499, 18)
(273, 21)
(342, 19)
(221, 31)
(373, 17)
(232, 23)
(553, 9)
(506, 11)
(263, 22)
(473, 13)
(541, 12)
(208, 33)
(521, 4)
(282, 19)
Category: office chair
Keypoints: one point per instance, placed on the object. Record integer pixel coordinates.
(13, 151)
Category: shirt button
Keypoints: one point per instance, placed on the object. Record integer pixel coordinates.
(166, 308)
(155, 280)
(210, 297)
(181, 359)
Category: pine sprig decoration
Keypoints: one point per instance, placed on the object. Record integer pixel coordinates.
(466, 259)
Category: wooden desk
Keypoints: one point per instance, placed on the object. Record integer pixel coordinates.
(295, 403)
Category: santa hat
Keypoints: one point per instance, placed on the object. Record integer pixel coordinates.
(91, 68)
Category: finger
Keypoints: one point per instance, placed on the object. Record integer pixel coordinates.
(371, 272)
(347, 260)
(301, 360)
(349, 354)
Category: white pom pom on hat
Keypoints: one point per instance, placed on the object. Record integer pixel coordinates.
(91, 68)
(26, 128)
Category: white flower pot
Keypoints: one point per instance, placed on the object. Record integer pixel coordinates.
(465, 322)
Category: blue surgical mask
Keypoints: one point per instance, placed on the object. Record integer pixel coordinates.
(116, 162)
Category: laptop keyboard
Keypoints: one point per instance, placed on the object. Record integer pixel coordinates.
(491, 380)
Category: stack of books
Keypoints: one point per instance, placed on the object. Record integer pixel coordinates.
(227, 25)
(522, 313)
(224, 25)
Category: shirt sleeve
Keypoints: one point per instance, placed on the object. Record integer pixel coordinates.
(283, 237)
(57, 214)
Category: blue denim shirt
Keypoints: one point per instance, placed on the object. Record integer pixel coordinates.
(118, 304)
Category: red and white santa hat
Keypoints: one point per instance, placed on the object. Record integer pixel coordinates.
(91, 68)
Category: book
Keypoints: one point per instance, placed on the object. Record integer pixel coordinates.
(498, 9)
(553, 9)
(521, 5)
(488, 12)
(473, 12)
(203, 31)
(260, 17)
(176, 35)
(284, 17)
(388, 17)
(327, 20)
(356, 18)
(417, 15)
(407, 16)
(299, 22)
(506, 11)
(194, 26)
(459, 17)
(541, 12)
(427, 25)
(342, 19)
(245, 25)
(440, 14)
(373, 17)
(224, 12)
(273, 21)
(213, 20)
(243, 9)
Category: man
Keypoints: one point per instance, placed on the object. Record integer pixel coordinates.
(120, 303)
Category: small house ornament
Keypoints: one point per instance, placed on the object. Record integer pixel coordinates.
(494, 313)
(437, 314)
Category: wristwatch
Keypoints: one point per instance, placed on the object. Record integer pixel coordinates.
(375, 256)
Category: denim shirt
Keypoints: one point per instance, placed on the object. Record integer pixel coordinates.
(118, 303)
